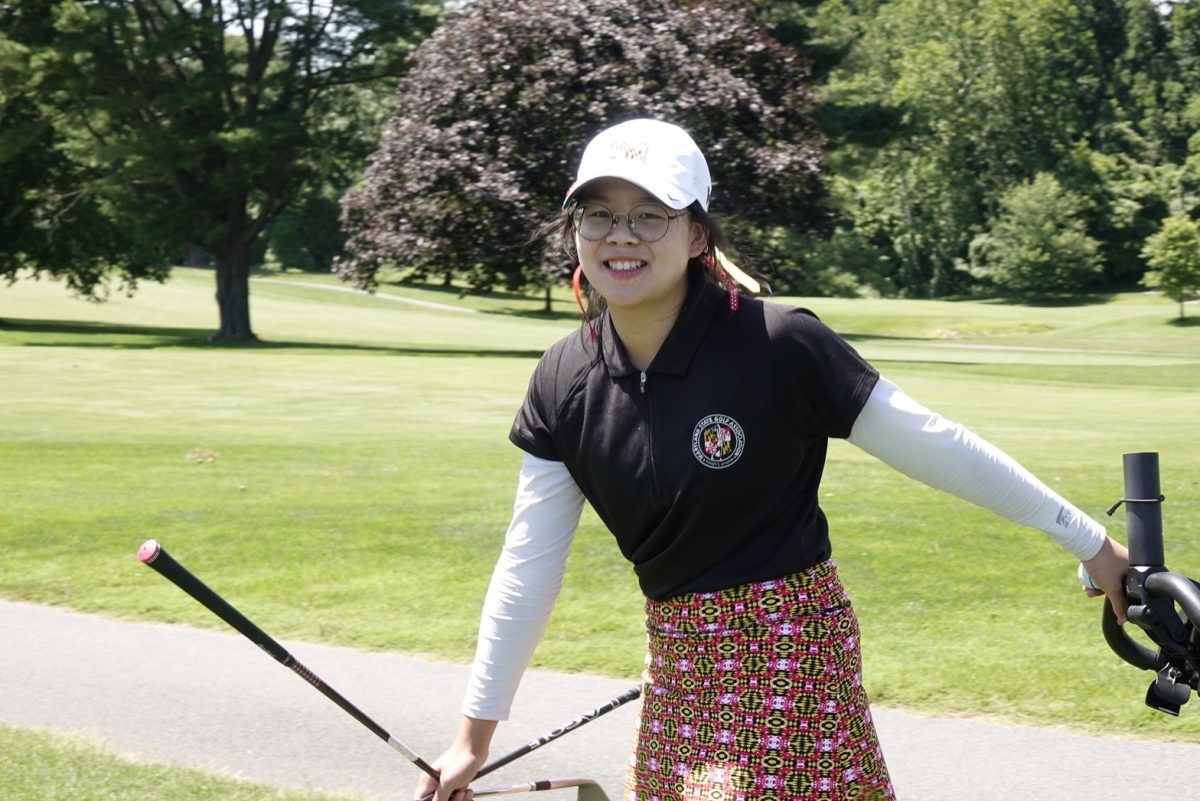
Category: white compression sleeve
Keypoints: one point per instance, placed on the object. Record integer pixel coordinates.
(524, 586)
(945, 455)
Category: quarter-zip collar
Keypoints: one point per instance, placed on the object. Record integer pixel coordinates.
(700, 307)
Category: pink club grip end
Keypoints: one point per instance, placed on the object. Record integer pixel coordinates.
(148, 551)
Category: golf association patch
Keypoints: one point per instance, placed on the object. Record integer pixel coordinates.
(718, 441)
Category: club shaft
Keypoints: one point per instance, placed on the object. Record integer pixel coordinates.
(157, 558)
(586, 717)
(533, 787)
(623, 698)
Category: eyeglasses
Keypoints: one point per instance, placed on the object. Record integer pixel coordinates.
(649, 223)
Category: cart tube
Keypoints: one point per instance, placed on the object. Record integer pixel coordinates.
(1153, 593)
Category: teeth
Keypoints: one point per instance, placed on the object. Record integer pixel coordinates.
(622, 266)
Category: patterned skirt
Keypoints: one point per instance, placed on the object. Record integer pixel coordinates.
(755, 694)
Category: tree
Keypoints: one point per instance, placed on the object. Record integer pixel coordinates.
(308, 234)
(986, 93)
(1173, 253)
(934, 109)
(500, 101)
(49, 223)
(1037, 244)
(182, 123)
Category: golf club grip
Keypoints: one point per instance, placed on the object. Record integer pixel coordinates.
(623, 698)
(154, 555)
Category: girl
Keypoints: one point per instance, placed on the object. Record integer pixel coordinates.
(696, 421)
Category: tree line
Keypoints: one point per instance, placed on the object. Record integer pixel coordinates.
(135, 132)
(916, 148)
(1016, 146)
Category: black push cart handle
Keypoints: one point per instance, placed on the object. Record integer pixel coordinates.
(1125, 646)
(1153, 592)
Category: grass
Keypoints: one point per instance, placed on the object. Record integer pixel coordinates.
(39, 766)
(350, 481)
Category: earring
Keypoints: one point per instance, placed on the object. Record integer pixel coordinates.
(576, 280)
(718, 270)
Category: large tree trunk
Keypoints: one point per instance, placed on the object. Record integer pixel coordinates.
(233, 294)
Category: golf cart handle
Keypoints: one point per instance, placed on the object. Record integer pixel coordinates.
(1153, 592)
(1125, 646)
(1180, 590)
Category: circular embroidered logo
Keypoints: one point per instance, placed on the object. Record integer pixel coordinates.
(717, 441)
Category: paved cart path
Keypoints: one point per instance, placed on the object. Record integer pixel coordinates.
(214, 701)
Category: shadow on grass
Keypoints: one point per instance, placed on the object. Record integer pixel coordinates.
(71, 328)
(459, 292)
(1042, 302)
(539, 314)
(521, 307)
(80, 334)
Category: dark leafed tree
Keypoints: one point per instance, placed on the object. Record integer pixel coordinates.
(142, 127)
(500, 101)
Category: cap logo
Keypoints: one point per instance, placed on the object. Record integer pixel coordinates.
(630, 151)
(718, 441)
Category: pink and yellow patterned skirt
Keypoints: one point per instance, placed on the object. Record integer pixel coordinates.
(755, 694)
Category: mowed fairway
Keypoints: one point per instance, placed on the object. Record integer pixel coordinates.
(350, 481)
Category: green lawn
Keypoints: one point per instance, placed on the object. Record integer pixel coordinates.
(38, 766)
(350, 480)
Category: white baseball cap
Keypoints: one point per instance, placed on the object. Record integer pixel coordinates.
(657, 156)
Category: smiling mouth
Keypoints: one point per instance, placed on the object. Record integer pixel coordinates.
(624, 265)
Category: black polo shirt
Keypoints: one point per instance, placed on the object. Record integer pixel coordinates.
(706, 467)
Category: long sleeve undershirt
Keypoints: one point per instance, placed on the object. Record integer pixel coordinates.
(524, 586)
(892, 427)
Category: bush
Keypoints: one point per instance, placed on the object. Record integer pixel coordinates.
(1038, 243)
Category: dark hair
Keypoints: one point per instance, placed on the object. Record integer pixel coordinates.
(559, 232)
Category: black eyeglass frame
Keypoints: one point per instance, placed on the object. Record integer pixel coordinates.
(577, 220)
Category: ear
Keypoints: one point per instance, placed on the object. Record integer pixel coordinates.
(699, 241)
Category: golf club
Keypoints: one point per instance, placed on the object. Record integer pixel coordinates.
(154, 555)
(588, 789)
(623, 698)
(610, 705)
